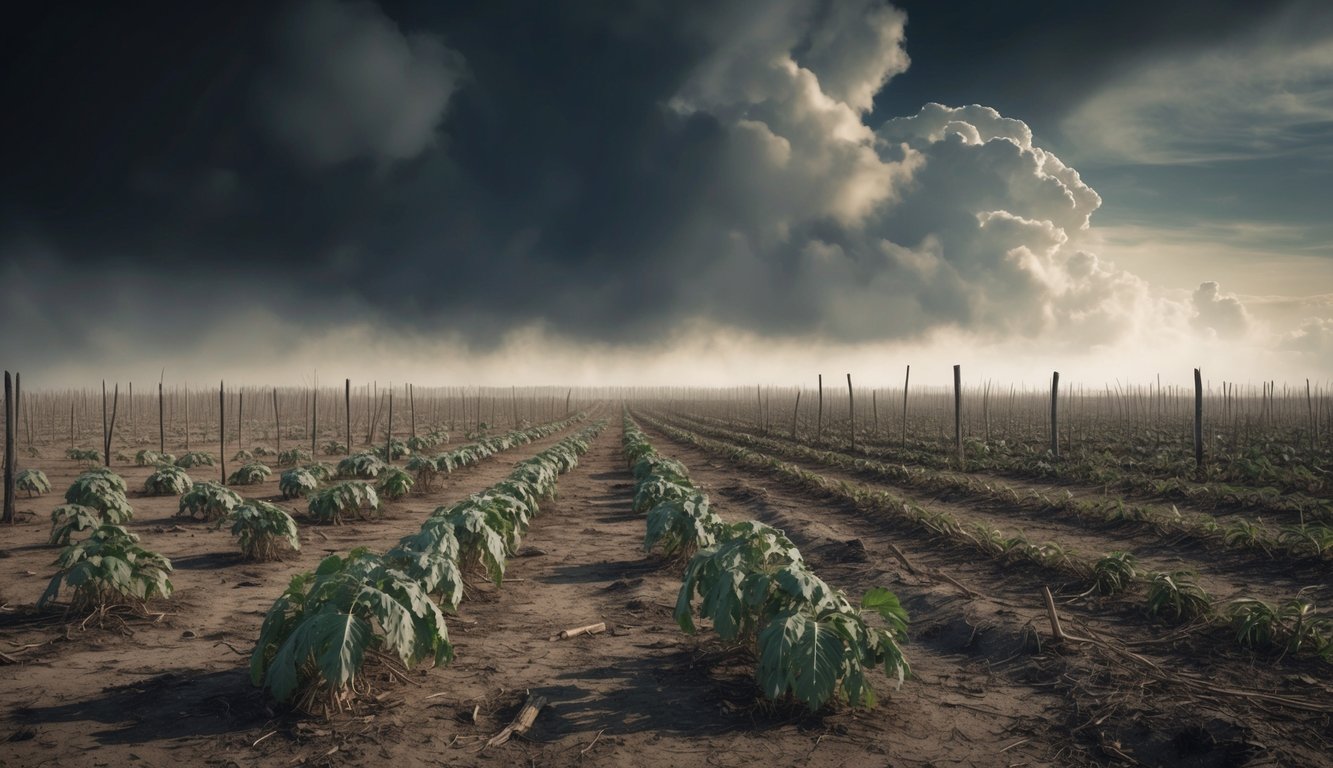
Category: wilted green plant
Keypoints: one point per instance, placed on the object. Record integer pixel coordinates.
(83, 454)
(243, 455)
(148, 457)
(425, 470)
(1177, 597)
(336, 503)
(321, 471)
(682, 526)
(1291, 627)
(250, 474)
(107, 569)
(318, 634)
(167, 480)
(296, 482)
(394, 483)
(262, 450)
(208, 501)
(264, 531)
(364, 465)
(293, 456)
(1113, 573)
(397, 448)
(333, 448)
(196, 459)
(104, 491)
(69, 519)
(33, 482)
(1307, 539)
(430, 558)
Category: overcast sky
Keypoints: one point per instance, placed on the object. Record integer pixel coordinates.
(650, 191)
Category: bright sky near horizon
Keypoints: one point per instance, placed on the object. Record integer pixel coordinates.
(650, 193)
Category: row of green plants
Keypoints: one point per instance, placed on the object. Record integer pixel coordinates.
(1306, 540)
(809, 641)
(1216, 489)
(391, 607)
(1175, 596)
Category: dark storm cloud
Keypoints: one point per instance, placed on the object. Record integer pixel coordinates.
(607, 170)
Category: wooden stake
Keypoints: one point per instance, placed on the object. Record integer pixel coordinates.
(851, 411)
(958, 410)
(277, 420)
(347, 409)
(795, 412)
(819, 417)
(8, 514)
(907, 379)
(1198, 419)
(1055, 428)
(590, 629)
(161, 422)
(222, 430)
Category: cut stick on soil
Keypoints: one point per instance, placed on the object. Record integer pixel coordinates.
(1057, 632)
(522, 722)
(591, 629)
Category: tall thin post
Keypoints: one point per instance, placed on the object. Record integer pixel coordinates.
(222, 430)
(874, 414)
(907, 379)
(277, 420)
(958, 410)
(161, 422)
(314, 416)
(412, 406)
(759, 408)
(106, 440)
(819, 415)
(1198, 419)
(8, 515)
(240, 430)
(568, 395)
(388, 430)
(851, 411)
(187, 417)
(1055, 428)
(347, 410)
(795, 412)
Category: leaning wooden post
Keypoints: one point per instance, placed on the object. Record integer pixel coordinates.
(106, 441)
(759, 408)
(111, 431)
(8, 516)
(819, 416)
(240, 430)
(347, 410)
(568, 395)
(1198, 419)
(958, 410)
(222, 430)
(1055, 429)
(314, 417)
(412, 405)
(851, 412)
(874, 414)
(907, 379)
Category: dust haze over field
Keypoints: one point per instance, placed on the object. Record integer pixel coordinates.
(642, 192)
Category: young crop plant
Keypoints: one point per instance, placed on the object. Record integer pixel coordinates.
(364, 465)
(293, 456)
(243, 455)
(320, 632)
(1113, 573)
(297, 482)
(1177, 597)
(425, 470)
(69, 519)
(1289, 627)
(811, 642)
(430, 558)
(394, 484)
(1313, 540)
(32, 482)
(262, 450)
(104, 491)
(682, 527)
(348, 499)
(167, 480)
(397, 450)
(208, 501)
(333, 448)
(321, 471)
(86, 455)
(264, 531)
(106, 570)
(250, 474)
(196, 459)
(148, 457)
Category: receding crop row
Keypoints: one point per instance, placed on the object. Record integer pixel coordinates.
(1307, 540)
(391, 607)
(1103, 468)
(809, 641)
(1292, 625)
